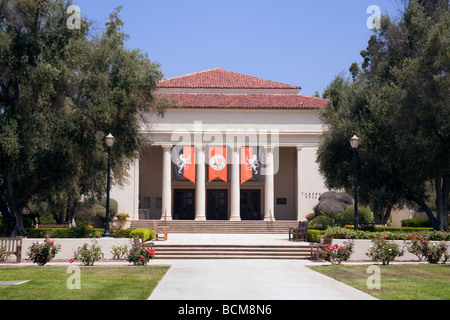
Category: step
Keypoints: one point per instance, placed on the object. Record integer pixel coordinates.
(231, 252)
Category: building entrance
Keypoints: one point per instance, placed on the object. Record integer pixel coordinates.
(251, 205)
(184, 205)
(217, 205)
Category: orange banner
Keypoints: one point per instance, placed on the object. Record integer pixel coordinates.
(218, 165)
(189, 171)
(246, 169)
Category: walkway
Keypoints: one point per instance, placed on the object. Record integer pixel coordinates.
(246, 279)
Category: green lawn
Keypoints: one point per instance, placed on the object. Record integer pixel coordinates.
(398, 282)
(97, 283)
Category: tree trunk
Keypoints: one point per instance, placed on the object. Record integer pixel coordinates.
(13, 220)
(442, 184)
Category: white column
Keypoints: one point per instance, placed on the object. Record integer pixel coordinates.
(167, 184)
(235, 185)
(269, 189)
(299, 182)
(200, 184)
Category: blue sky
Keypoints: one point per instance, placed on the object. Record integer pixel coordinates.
(304, 43)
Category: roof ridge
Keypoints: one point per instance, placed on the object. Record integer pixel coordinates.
(189, 74)
(223, 79)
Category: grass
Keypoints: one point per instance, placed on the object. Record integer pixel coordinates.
(97, 283)
(398, 282)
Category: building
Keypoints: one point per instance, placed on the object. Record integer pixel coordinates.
(232, 147)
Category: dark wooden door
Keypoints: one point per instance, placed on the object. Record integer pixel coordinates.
(251, 205)
(184, 205)
(217, 205)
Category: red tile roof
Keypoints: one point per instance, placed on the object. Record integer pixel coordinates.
(243, 101)
(219, 78)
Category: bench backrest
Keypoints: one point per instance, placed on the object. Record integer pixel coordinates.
(11, 245)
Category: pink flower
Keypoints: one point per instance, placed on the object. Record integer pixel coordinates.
(70, 261)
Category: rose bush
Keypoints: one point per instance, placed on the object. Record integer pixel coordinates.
(140, 256)
(336, 253)
(88, 255)
(383, 250)
(42, 253)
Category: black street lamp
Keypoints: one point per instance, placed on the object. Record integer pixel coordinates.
(355, 141)
(109, 140)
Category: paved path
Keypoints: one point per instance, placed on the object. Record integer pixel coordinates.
(249, 280)
(246, 279)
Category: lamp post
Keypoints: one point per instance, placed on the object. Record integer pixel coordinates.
(355, 141)
(109, 140)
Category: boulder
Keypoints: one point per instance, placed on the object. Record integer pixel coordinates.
(331, 203)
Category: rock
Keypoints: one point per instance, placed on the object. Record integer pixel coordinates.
(333, 203)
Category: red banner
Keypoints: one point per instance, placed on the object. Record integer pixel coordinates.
(218, 165)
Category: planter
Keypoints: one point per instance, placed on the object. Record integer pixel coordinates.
(69, 246)
(362, 246)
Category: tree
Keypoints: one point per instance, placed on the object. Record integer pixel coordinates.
(399, 106)
(61, 92)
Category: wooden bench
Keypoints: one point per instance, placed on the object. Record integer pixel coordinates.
(12, 246)
(138, 243)
(160, 232)
(318, 249)
(300, 233)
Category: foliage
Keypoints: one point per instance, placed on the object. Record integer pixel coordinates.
(143, 234)
(119, 251)
(365, 216)
(61, 92)
(3, 255)
(424, 249)
(88, 254)
(42, 253)
(383, 250)
(140, 256)
(417, 223)
(398, 106)
(336, 253)
(321, 222)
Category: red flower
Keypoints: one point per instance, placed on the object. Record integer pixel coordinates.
(70, 261)
(152, 252)
(52, 242)
(410, 237)
(142, 257)
(367, 253)
(342, 248)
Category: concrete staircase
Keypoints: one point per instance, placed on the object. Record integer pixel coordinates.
(298, 252)
(220, 227)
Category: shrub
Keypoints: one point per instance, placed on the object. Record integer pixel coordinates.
(384, 250)
(365, 216)
(119, 251)
(88, 255)
(143, 234)
(140, 256)
(424, 249)
(336, 253)
(42, 253)
(3, 255)
(417, 223)
(321, 222)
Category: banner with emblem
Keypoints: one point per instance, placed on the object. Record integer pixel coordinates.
(217, 164)
(251, 164)
(183, 163)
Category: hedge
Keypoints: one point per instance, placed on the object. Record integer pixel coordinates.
(143, 234)
(390, 233)
(67, 233)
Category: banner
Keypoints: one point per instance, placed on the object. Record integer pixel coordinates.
(183, 163)
(251, 164)
(217, 163)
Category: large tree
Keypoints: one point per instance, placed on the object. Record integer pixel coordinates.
(62, 90)
(399, 105)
